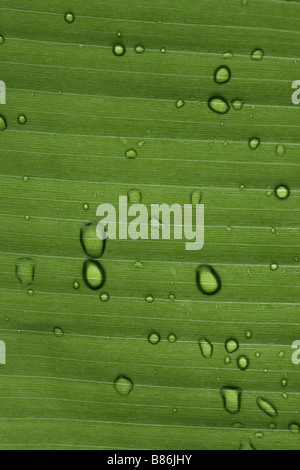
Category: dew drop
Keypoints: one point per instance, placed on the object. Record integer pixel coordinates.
(237, 105)
(280, 150)
(172, 338)
(218, 105)
(285, 396)
(257, 54)
(69, 17)
(172, 297)
(3, 124)
(227, 55)
(25, 271)
(163, 50)
(149, 299)
(154, 338)
(139, 265)
(58, 332)
(243, 362)
(104, 297)
(294, 428)
(227, 360)
(231, 399)
(85, 207)
(76, 285)
(284, 382)
(179, 104)
(274, 267)
(206, 348)
(139, 49)
(131, 154)
(254, 143)
(134, 196)
(30, 292)
(281, 355)
(282, 192)
(266, 407)
(196, 197)
(93, 274)
(123, 385)
(26, 179)
(119, 50)
(208, 281)
(22, 119)
(231, 346)
(222, 75)
(248, 334)
(92, 245)
(259, 435)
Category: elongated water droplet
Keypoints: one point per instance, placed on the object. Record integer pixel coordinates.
(282, 192)
(119, 50)
(154, 338)
(266, 407)
(219, 105)
(254, 143)
(231, 399)
(25, 271)
(196, 197)
(91, 243)
(208, 280)
(123, 385)
(206, 348)
(243, 362)
(131, 154)
(258, 54)
(93, 274)
(231, 345)
(3, 124)
(134, 196)
(222, 74)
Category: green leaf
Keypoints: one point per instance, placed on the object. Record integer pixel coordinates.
(105, 99)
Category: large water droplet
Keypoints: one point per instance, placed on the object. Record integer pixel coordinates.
(208, 280)
(232, 399)
(231, 345)
(154, 338)
(282, 192)
(69, 18)
(93, 274)
(91, 244)
(222, 74)
(266, 407)
(123, 386)
(25, 271)
(119, 50)
(206, 348)
(219, 105)
(3, 124)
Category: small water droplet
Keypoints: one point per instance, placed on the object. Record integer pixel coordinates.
(259, 435)
(134, 196)
(272, 426)
(172, 338)
(231, 345)
(69, 17)
(139, 265)
(30, 292)
(25, 179)
(284, 383)
(218, 105)
(254, 143)
(227, 55)
(257, 355)
(25, 271)
(104, 297)
(222, 74)
(282, 192)
(76, 285)
(27, 218)
(154, 338)
(58, 332)
(123, 385)
(174, 410)
(274, 267)
(196, 197)
(141, 144)
(227, 360)
(2, 40)
(294, 428)
(92, 245)
(243, 362)
(22, 119)
(257, 54)
(231, 399)
(93, 274)
(86, 207)
(280, 150)
(3, 124)
(119, 50)
(139, 49)
(266, 407)
(131, 154)
(163, 50)
(285, 396)
(149, 299)
(206, 348)
(281, 355)
(248, 334)
(208, 281)
(179, 104)
(237, 105)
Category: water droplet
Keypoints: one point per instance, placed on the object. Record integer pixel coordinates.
(86, 207)
(69, 17)
(227, 55)
(272, 426)
(172, 297)
(196, 197)
(259, 435)
(58, 332)
(280, 150)
(281, 355)
(163, 50)
(27, 218)
(154, 338)
(172, 338)
(104, 298)
(258, 54)
(25, 271)
(2, 40)
(284, 382)
(246, 444)
(282, 192)
(208, 280)
(248, 334)
(232, 399)
(266, 407)
(131, 154)
(119, 50)
(243, 362)
(25, 179)
(134, 196)
(218, 105)
(237, 105)
(139, 265)
(141, 144)
(254, 143)
(227, 360)
(30, 292)
(206, 348)
(257, 355)
(93, 274)
(123, 386)
(174, 410)
(149, 299)
(76, 285)
(274, 267)
(222, 74)
(3, 124)
(285, 396)
(231, 346)
(22, 119)
(139, 49)
(92, 245)
(294, 428)
(179, 104)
